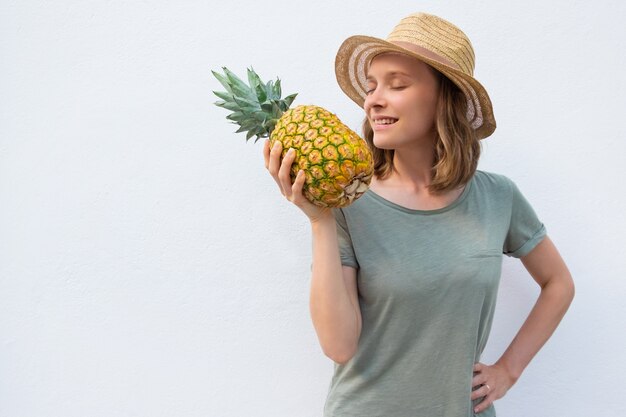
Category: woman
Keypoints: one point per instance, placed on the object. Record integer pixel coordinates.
(404, 281)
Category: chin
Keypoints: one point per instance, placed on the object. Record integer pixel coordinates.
(384, 143)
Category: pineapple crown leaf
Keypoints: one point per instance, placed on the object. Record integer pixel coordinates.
(228, 105)
(276, 89)
(288, 100)
(223, 81)
(223, 96)
(257, 85)
(256, 106)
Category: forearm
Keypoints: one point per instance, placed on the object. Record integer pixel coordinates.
(333, 314)
(554, 300)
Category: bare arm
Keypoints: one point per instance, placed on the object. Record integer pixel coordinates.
(545, 265)
(334, 302)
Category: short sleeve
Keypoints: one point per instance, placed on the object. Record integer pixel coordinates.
(525, 229)
(346, 250)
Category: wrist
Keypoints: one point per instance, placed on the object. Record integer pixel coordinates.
(512, 372)
(324, 217)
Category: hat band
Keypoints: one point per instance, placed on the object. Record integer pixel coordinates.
(420, 50)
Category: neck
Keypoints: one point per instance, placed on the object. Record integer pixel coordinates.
(412, 167)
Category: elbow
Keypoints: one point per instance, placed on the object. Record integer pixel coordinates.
(571, 289)
(560, 291)
(566, 289)
(341, 357)
(341, 360)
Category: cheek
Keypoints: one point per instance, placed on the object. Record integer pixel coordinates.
(424, 111)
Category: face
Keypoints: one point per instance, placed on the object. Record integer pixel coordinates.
(401, 101)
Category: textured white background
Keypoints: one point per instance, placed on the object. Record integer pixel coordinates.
(149, 266)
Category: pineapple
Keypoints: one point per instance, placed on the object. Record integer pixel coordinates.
(336, 162)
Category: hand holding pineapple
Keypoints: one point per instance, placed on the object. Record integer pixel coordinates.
(336, 163)
(280, 171)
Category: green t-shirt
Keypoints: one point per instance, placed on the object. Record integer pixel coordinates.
(427, 283)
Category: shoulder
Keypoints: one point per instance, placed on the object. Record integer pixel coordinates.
(493, 182)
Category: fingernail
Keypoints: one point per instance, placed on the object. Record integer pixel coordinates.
(276, 144)
(290, 151)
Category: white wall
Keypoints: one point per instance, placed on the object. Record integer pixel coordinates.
(148, 264)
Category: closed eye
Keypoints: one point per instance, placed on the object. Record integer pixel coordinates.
(399, 87)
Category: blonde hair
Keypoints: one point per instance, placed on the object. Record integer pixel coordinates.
(457, 148)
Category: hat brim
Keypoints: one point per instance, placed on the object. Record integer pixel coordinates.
(354, 57)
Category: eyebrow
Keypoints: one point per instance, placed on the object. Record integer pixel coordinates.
(391, 74)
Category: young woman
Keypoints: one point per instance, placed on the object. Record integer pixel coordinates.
(404, 280)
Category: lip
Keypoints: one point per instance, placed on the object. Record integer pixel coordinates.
(377, 127)
(381, 116)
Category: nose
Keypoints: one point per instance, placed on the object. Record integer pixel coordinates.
(374, 99)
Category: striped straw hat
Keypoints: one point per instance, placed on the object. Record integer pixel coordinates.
(430, 39)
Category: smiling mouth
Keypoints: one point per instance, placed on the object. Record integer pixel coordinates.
(385, 121)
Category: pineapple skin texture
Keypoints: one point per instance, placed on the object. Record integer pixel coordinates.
(337, 163)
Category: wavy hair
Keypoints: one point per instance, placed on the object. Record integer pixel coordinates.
(457, 148)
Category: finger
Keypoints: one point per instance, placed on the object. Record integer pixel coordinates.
(284, 172)
(479, 379)
(478, 367)
(484, 404)
(274, 163)
(266, 153)
(483, 391)
(296, 188)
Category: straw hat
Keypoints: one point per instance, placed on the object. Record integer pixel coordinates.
(430, 39)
